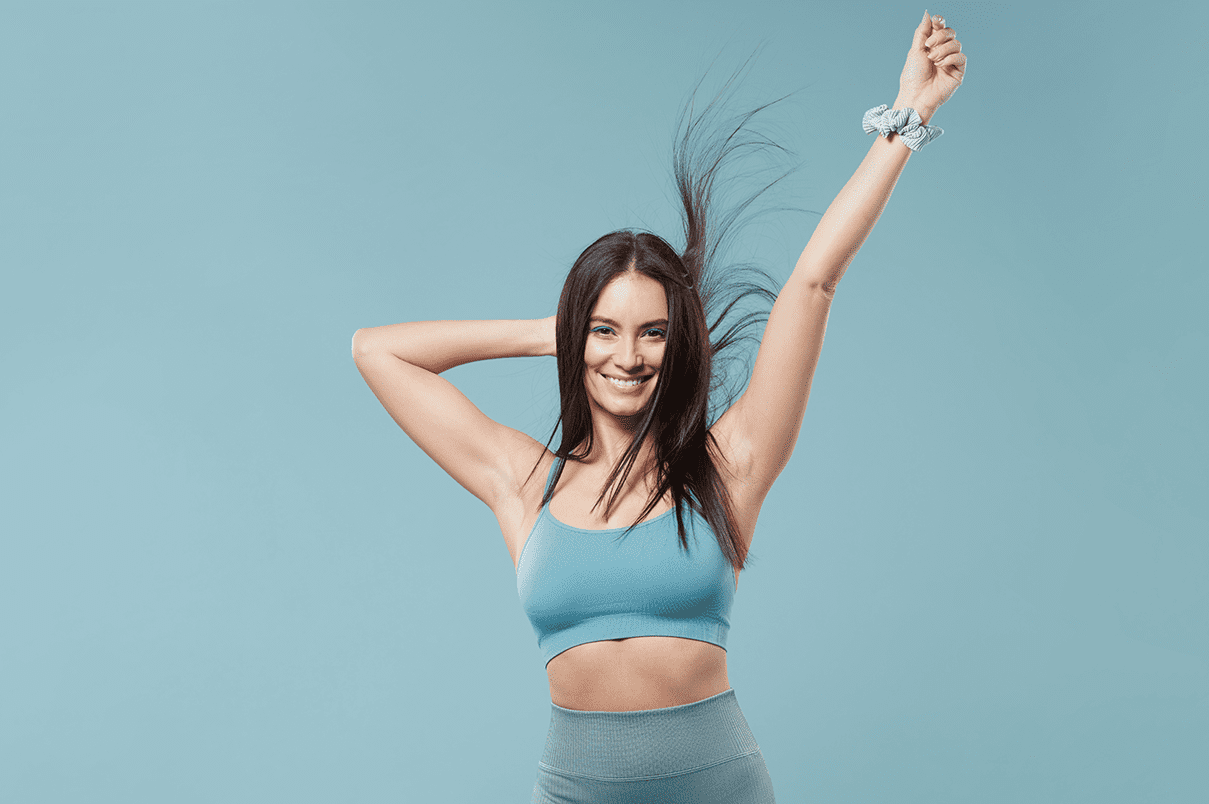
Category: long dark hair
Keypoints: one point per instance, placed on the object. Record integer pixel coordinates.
(700, 297)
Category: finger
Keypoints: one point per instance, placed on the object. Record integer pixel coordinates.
(939, 36)
(939, 52)
(922, 31)
(954, 64)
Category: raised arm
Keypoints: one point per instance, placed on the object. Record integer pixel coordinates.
(400, 363)
(761, 428)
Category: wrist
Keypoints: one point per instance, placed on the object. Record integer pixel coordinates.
(905, 102)
(545, 332)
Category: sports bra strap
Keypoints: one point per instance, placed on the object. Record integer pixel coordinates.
(550, 476)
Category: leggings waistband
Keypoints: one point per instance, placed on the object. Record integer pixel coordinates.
(648, 742)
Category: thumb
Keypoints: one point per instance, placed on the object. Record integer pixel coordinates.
(922, 32)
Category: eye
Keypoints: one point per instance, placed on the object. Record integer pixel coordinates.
(659, 333)
(602, 330)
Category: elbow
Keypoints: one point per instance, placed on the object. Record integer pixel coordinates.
(359, 344)
(815, 279)
(823, 286)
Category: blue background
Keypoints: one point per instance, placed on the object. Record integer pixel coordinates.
(227, 576)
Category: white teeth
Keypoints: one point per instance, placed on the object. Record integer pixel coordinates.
(623, 383)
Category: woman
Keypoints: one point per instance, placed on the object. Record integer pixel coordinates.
(615, 552)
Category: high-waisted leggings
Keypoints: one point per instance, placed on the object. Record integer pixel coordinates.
(697, 753)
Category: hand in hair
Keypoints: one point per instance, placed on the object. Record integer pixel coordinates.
(935, 67)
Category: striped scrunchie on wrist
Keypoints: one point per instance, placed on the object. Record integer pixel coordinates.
(905, 122)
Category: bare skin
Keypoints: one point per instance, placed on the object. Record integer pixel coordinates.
(622, 675)
(645, 672)
(402, 362)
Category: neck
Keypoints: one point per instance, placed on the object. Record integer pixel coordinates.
(611, 437)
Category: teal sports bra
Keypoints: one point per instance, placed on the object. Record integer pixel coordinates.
(578, 585)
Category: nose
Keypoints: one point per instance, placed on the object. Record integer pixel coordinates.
(630, 356)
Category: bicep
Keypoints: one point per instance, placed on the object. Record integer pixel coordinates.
(478, 452)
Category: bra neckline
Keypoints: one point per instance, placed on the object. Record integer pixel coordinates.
(546, 510)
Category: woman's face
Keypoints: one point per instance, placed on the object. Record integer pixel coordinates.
(627, 333)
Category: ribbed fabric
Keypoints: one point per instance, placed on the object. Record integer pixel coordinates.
(698, 753)
(907, 123)
(578, 585)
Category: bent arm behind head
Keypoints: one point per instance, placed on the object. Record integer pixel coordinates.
(400, 363)
(437, 346)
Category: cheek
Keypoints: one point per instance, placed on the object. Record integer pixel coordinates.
(590, 363)
(593, 357)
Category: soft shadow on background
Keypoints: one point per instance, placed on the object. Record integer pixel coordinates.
(227, 576)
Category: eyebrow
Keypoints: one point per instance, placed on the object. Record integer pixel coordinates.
(612, 323)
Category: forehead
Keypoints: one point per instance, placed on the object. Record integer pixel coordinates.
(632, 295)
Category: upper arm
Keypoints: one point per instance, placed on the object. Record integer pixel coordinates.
(481, 454)
(762, 427)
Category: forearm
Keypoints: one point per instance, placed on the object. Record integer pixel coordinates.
(440, 345)
(851, 216)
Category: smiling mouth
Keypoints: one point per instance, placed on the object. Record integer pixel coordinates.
(626, 383)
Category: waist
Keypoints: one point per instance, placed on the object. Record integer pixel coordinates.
(644, 744)
(636, 673)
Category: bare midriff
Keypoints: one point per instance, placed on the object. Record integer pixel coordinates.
(648, 672)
